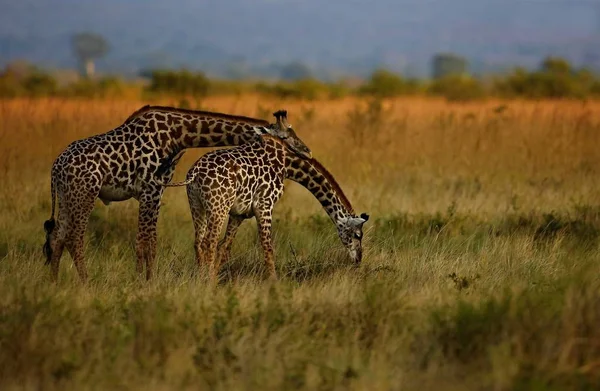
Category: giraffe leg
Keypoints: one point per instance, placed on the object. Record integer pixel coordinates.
(209, 243)
(225, 243)
(199, 220)
(57, 244)
(56, 235)
(264, 219)
(75, 240)
(146, 235)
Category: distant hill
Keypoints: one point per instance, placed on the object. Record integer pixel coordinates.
(333, 37)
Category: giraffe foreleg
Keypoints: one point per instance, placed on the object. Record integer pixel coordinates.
(146, 235)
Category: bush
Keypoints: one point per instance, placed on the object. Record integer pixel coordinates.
(385, 84)
(10, 86)
(457, 88)
(103, 88)
(309, 89)
(29, 82)
(554, 79)
(181, 82)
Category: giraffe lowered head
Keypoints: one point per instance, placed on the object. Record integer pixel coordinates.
(283, 130)
(350, 231)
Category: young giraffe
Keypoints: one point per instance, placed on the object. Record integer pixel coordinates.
(126, 163)
(247, 181)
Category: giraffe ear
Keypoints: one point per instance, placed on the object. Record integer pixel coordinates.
(356, 221)
(364, 216)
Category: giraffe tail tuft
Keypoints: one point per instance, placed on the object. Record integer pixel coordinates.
(50, 224)
(48, 227)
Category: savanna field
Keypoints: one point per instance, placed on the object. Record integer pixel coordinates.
(480, 270)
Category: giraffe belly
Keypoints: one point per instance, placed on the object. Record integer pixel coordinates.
(242, 208)
(110, 193)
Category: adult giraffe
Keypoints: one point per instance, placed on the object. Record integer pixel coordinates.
(127, 161)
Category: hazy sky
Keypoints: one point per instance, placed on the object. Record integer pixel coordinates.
(330, 32)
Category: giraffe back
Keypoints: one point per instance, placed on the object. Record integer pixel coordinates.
(251, 172)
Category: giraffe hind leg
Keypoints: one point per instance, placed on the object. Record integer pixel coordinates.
(56, 235)
(75, 242)
(80, 205)
(49, 226)
(146, 235)
(55, 247)
(199, 219)
(264, 226)
(224, 250)
(209, 243)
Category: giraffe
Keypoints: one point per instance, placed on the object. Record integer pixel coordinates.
(126, 162)
(247, 181)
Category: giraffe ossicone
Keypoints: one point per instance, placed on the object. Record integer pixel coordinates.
(127, 162)
(247, 181)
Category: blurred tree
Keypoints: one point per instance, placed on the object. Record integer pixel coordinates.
(384, 84)
(556, 65)
(448, 64)
(182, 82)
(88, 47)
(19, 68)
(295, 71)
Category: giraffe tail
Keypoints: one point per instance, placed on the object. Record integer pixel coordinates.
(50, 224)
(177, 184)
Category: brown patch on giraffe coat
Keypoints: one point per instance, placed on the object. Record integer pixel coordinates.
(164, 139)
(217, 128)
(188, 140)
(176, 132)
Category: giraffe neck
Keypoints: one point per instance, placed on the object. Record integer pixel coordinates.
(314, 177)
(179, 129)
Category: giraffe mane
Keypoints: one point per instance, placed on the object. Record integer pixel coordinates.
(268, 136)
(336, 187)
(319, 167)
(212, 114)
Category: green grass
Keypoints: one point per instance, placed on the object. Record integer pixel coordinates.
(480, 269)
(441, 302)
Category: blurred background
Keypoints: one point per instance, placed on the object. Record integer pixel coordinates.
(469, 130)
(342, 42)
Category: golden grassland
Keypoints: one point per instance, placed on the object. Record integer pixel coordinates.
(480, 268)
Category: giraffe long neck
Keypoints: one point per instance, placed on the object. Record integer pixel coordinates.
(178, 129)
(314, 177)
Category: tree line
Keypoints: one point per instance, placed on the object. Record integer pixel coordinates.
(450, 78)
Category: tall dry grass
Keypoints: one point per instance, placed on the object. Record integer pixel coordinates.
(480, 269)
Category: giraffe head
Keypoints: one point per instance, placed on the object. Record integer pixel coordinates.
(283, 130)
(351, 234)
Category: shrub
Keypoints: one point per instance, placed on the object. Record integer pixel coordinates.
(102, 88)
(554, 79)
(457, 88)
(181, 82)
(385, 84)
(309, 89)
(30, 82)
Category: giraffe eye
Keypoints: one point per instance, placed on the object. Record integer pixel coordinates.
(357, 235)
